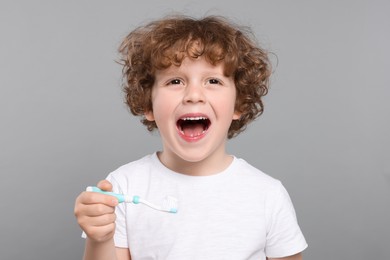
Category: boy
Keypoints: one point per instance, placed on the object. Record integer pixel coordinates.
(199, 82)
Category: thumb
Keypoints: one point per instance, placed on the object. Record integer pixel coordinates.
(104, 185)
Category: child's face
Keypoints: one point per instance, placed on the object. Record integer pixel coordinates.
(193, 107)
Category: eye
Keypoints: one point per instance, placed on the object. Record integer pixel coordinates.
(174, 82)
(214, 81)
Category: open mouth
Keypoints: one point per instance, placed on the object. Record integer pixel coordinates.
(193, 126)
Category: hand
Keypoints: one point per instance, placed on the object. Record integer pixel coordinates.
(95, 213)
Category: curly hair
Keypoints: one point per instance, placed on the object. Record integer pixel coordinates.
(166, 42)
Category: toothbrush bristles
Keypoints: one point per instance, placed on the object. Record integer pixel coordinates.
(170, 204)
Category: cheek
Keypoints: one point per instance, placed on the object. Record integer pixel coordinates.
(226, 102)
(162, 106)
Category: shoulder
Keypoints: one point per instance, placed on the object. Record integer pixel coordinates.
(144, 162)
(133, 172)
(254, 176)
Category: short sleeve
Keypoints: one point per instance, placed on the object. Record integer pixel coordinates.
(284, 236)
(120, 237)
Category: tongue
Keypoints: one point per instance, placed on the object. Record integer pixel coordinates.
(192, 129)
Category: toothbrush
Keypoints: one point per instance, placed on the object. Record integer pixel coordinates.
(169, 204)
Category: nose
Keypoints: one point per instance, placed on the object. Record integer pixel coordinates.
(194, 93)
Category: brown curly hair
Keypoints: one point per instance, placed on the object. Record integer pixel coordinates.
(168, 41)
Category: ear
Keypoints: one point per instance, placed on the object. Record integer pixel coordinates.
(149, 115)
(236, 115)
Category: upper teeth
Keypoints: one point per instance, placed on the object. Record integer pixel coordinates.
(194, 118)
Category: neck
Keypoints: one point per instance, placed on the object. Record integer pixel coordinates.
(208, 166)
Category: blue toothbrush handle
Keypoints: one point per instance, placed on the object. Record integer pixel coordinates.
(121, 198)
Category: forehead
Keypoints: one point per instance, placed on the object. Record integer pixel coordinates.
(193, 66)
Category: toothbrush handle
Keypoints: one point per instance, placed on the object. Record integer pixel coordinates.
(121, 198)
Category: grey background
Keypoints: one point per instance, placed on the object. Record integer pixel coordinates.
(325, 131)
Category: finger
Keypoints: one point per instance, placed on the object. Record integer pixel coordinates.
(99, 221)
(84, 208)
(94, 210)
(101, 233)
(105, 185)
(88, 197)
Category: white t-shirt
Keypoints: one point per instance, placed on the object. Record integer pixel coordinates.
(240, 213)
